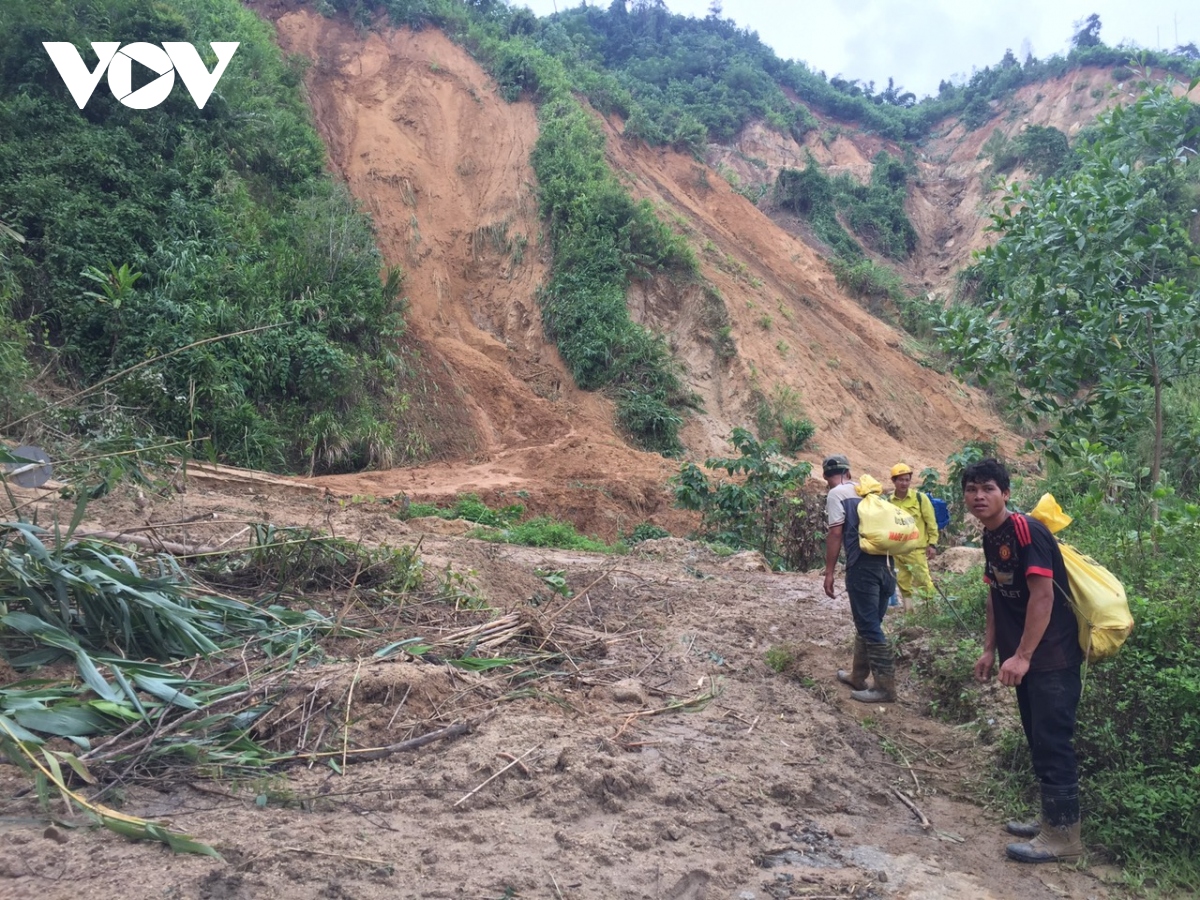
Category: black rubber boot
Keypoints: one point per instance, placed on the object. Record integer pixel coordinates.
(883, 668)
(1024, 829)
(1058, 841)
(860, 668)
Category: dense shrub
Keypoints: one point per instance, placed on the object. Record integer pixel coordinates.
(875, 211)
(149, 230)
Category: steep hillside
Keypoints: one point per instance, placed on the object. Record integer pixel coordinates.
(424, 141)
(950, 200)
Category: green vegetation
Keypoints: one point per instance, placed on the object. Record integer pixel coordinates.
(147, 231)
(780, 658)
(544, 531)
(1084, 315)
(761, 510)
(781, 418)
(874, 212)
(646, 531)
(1089, 304)
(681, 81)
(1138, 735)
(505, 526)
(1043, 150)
(601, 239)
(469, 508)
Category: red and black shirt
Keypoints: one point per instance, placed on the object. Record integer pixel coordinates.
(1017, 549)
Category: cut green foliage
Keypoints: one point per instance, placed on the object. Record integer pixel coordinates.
(49, 772)
(100, 596)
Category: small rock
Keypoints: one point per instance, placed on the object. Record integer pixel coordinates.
(843, 831)
(629, 690)
(747, 895)
(53, 834)
(882, 876)
(747, 561)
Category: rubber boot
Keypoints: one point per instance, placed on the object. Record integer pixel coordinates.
(1058, 841)
(860, 668)
(883, 668)
(1024, 829)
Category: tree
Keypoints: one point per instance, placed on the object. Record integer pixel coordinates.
(1090, 302)
(1087, 33)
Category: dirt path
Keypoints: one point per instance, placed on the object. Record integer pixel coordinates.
(664, 759)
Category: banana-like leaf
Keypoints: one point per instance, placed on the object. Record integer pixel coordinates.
(63, 721)
(165, 689)
(16, 732)
(130, 826)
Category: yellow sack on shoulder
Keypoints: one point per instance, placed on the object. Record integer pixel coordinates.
(1099, 604)
(884, 529)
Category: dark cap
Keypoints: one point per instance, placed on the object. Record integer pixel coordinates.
(835, 465)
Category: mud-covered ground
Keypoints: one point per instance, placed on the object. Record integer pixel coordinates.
(658, 756)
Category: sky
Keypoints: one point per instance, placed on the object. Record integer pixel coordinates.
(921, 42)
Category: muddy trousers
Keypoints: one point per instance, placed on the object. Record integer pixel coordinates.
(870, 584)
(912, 575)
(1048, 702)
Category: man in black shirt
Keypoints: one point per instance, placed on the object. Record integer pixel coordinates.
(1030, 624)
(869, 584)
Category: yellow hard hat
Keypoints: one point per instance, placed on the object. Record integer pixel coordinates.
(901, 469)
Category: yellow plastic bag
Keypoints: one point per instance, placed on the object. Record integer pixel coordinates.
(884, 529)
(1099, 604)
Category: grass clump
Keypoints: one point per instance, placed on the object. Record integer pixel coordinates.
(546, 532)
(470, 508)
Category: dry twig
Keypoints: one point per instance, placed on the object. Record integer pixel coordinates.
(925, 823)
(515, 762)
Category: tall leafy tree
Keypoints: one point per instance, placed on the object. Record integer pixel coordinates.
(1089, 303)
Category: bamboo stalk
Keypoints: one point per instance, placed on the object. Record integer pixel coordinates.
(515, 762)
(349, 703)
(450, 731)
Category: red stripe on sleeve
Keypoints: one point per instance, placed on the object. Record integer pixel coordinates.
(1024, 538)
(1038, 570)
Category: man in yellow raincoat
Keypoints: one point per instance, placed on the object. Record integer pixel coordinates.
(912, 569)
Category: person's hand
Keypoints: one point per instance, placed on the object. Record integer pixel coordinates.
(829, 585)
(1013, 670)
(983, 666)
(931, 551)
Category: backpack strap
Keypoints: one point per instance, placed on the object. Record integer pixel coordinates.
(926, 504)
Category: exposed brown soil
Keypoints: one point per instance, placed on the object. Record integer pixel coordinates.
(660, 757)
(416, 128)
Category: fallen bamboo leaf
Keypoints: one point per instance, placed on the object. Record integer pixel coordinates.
(129, 826)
